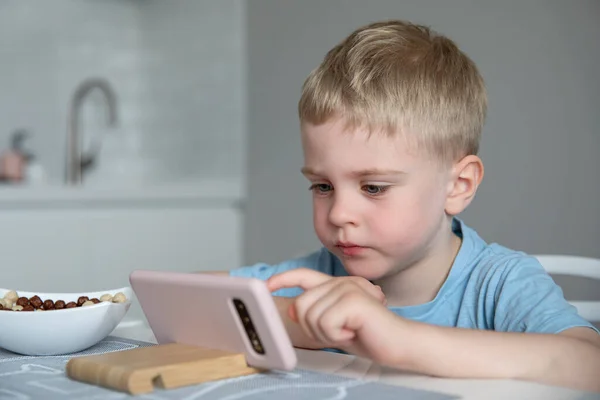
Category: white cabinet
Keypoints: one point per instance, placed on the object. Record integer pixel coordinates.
(78, 241)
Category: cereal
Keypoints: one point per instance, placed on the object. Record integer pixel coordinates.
(48, 305)
(119, 298)
(23, 301)
(106, 297)
(35, 301)
(13, 302)
(82, 300)
(11, 296)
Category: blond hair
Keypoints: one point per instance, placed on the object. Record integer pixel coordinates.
(402, 78)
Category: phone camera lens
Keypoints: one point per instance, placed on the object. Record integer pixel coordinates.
(242, 312)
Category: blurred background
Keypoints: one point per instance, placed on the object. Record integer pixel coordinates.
(163, 134)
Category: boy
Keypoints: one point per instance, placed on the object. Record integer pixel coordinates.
(390, 125)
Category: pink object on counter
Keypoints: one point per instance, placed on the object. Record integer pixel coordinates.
(12, 166)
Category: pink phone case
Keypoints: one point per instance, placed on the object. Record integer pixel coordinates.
(199, 309)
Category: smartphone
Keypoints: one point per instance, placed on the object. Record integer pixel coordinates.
(216, 311)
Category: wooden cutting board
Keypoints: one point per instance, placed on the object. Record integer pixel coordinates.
(167, 366)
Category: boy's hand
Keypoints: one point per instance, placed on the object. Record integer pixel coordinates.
(343, 312)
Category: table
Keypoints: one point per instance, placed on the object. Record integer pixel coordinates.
(356, 367)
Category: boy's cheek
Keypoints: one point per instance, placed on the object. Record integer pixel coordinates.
(320, 218)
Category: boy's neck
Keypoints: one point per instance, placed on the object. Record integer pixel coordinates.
(420, 283)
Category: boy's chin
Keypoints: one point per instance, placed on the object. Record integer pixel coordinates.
(365, 269)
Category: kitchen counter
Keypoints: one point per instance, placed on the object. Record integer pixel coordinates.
(206, 192)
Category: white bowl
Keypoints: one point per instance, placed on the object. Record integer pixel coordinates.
(55, 332)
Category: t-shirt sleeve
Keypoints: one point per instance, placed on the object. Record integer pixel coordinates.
(528, 300)
(320, 260)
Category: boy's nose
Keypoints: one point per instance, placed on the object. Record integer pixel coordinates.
(341, 212)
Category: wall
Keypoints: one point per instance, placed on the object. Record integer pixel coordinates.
(540, 146)
(180, 87)
(194, 97)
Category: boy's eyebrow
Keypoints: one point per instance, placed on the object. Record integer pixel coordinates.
(358, 174)
(376, 172)
(308, 171)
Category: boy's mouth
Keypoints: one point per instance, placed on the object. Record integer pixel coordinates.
(350, 249)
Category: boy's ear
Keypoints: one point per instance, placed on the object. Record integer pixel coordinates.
(465, 177)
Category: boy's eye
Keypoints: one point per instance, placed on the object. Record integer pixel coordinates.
(374, 189)
(321, 187)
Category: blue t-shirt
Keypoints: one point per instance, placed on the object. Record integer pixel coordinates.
(489, 287)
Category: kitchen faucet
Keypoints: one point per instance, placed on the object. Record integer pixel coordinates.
(77, 161)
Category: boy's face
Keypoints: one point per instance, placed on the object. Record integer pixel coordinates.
(376, 205)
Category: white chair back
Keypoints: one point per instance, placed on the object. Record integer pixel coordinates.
(575, 266)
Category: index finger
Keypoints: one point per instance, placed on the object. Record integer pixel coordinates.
(302, 277)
